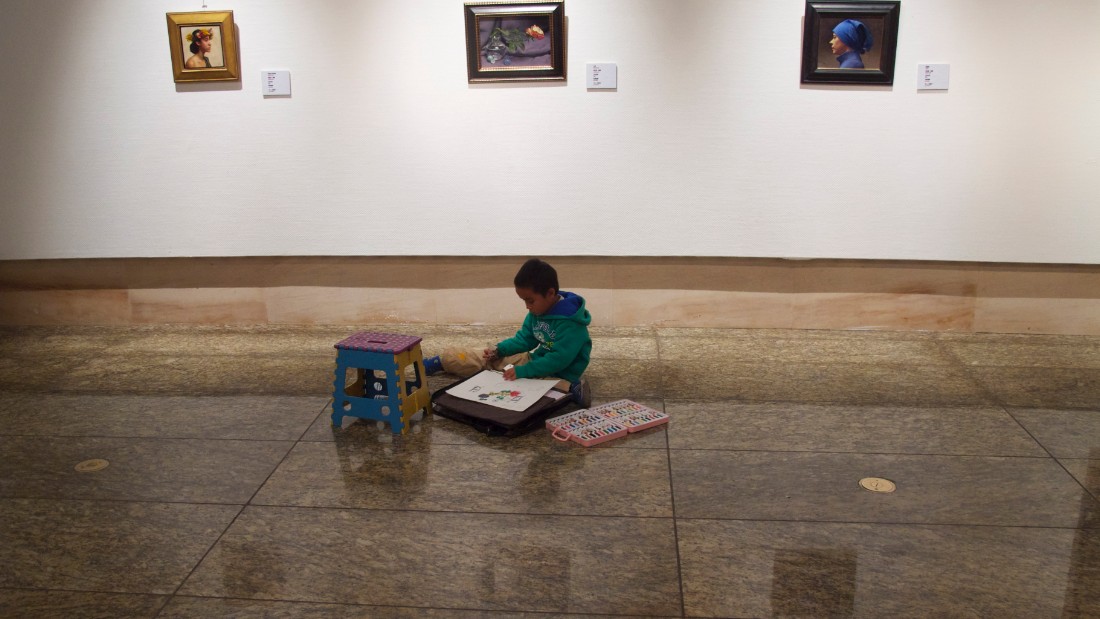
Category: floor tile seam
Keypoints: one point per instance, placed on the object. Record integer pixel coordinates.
(394, 510)
(138, 342)
(917, 406)
(327, 406)
(96, 591)
(813, 333)
(1055, 409)
(282, 460)
(859, 453)
(516, 450)
(209, 549)
(810, 363)
(130, 394)
(165, 598)
(889, 523)
(215, 354)
(197, 346)
(49, 499)
(1062, 458)
(152, 438)
(672, 506)
(250, 391)
(847, 404)
(981, 401)
(877, 346)
(325, 355)
(390, 606)
(1095, 496)
(163, 605)
(1025, 430)
(494, 441)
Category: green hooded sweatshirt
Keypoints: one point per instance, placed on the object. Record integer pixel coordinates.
(561, 336)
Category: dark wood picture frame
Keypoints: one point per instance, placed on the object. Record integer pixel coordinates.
(879, 19)
(515, 41)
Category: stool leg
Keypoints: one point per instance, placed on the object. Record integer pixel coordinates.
(338, 394)
(396, 381)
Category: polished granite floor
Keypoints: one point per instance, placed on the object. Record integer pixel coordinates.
(229, 494)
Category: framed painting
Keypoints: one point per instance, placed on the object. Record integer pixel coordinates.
(203, 46)
(515, 41)
(850, 42)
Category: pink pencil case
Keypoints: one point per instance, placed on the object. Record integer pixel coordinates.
(592, 426)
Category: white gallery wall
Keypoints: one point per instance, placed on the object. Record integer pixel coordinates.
(710, 146)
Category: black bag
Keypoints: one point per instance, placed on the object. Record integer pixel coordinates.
(496, 421)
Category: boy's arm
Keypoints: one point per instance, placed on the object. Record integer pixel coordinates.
(523, 341)
(558, 358)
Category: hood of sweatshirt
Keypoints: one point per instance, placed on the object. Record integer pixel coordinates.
(570, 307)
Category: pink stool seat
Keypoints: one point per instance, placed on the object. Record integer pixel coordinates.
(369, 341)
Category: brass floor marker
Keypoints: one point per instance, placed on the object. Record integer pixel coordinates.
(90, 466)
(877, 484)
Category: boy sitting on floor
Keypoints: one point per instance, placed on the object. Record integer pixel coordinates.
(556, 327)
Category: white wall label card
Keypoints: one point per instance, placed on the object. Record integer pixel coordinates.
(275, 83)
(602, 75)
(933, 76)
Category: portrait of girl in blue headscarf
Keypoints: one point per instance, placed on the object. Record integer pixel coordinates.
(851, 38)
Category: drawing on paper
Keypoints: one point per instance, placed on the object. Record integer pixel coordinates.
(491, 388)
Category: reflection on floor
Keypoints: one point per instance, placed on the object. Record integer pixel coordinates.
(228, 493)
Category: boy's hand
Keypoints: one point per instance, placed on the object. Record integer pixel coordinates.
(490, 354)
(509, 373)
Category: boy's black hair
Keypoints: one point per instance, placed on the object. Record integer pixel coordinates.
(538, 276)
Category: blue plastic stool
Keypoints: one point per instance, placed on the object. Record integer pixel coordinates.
(380, 391)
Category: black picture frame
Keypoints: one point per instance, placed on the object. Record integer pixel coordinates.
(879, 18)
(515, 41)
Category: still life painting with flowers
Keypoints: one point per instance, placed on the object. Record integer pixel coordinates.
(516, 41)
(508, 43)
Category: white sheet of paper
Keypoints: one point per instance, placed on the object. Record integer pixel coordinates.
(491, 388)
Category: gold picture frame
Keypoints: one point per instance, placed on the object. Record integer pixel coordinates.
(203, 46)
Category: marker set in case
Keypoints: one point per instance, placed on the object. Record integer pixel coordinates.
(598, 424)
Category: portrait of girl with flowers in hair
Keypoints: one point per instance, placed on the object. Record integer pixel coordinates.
(203, 46)
(200, 42)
